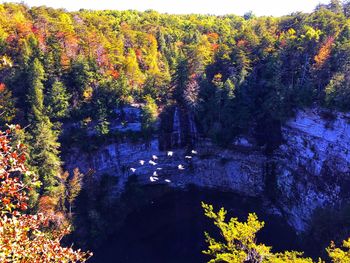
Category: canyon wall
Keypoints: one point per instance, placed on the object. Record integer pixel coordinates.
(309, 170)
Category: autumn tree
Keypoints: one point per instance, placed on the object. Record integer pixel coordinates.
(191, 93)
(23, 236)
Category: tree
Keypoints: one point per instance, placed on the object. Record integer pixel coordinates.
(338, 91)
(102, 126)
(80, 78)
(191, 93)
(346, 8)
(7, 105)
(44, 152)
(44, 156)
(336, 6)
(73, 185)
(58, 101)
(36, 93)
(180, 79)
(339, 255)
(132, 69)
(24, 237)
(149, 116)
(239, 243)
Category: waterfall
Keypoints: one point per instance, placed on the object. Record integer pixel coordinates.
(184, 130)
(176, 133)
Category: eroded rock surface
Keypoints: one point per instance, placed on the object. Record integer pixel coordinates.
(311, 167)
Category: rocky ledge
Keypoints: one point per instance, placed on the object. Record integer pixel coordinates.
(309, 170)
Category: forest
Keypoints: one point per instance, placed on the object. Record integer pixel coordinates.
(64, 75)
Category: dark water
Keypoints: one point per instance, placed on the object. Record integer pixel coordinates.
(170, 228)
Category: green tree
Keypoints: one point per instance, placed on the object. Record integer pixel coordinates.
(238, 243)
(180, 79)
(45, 156)
(7, 105)
(36, 91)
(44, 143)
(102, 126)
(149, 116)
(58, 101)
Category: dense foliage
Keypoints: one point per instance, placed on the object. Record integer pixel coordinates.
(231, 71)
(239, 243)
(24, 237)
(64, 75)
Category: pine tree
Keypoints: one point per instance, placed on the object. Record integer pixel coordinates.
(44, 156)
(44, 153)
(7, 105)
(180, 79)
(36, 93)
(58, 101)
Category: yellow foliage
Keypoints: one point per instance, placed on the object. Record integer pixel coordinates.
(338, 255)
(239, 245)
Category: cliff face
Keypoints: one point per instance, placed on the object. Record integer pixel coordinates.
(313, 164)
(309, 170)
(234, 170)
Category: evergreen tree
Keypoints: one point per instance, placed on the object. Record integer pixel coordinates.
(7, 105)
(58, 101)
(44, 144)
(36, 91)
(102, 126)
(45, 155)
(180, 79)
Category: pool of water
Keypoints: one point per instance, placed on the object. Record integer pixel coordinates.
(170, 228)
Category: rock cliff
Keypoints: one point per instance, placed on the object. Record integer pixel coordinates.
(310, 169)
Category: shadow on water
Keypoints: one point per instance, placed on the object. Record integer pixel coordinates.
(170, 227)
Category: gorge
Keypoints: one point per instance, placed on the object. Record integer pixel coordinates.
(118, 124)
(308, 171)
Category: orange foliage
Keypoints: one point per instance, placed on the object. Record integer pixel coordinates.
(24, 29)
(65, 61)
(2, 87)
(213, 37)
(47, 205)
(179, 44)
(283, 43)
(138, 53)
(71, 45)
(11, 38)
(21, 235)
(215, 47)
(324, 53)
(114, 73)
(40, 36)
(60, 34)
(241, 43)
